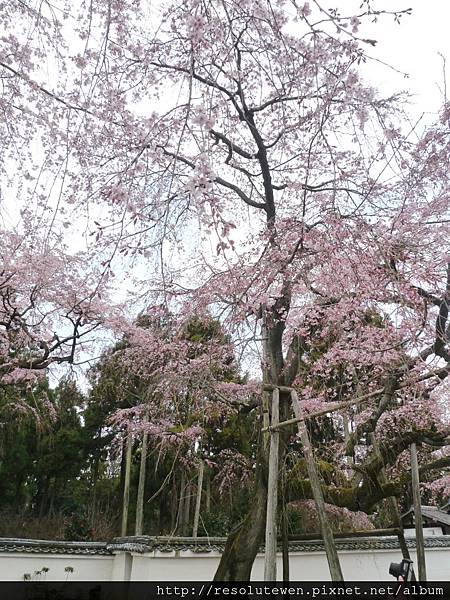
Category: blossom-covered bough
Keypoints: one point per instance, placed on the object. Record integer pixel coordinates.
(239, 155)
(49, 305)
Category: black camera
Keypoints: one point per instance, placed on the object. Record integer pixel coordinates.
(403, 569)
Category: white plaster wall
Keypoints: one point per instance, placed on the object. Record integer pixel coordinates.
(370, 565)
(356, 566)
(181, 566)
(13, 565)
(427, 532)
(122, 567)
(190, 566)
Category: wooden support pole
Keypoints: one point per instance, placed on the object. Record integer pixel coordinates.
(285, 534)
(187, 509)
(420, 546)
(198, 500)
(126, 488)
(267, 388)
(327, 533)
(181, 502)
(393, 506)
(266, 423)
(395, 511)
(270, 558)
(173, 506)
(141, 487)
(208, 491)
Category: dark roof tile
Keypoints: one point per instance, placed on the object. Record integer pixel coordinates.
(52, 547)
(144, 544)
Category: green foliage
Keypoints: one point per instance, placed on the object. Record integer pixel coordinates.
(66, 473)
(44, 466)
(201, 330)
(215, 524)
(78, 527)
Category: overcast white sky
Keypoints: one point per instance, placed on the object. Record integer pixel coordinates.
(412, 47)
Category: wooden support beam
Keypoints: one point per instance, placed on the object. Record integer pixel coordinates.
(332, 408)
(270, 558)
(395, 511)
(393, 506)
(126, 488)
(266, 420)
(181, 502)
(187, 509)
(198, 500)
(284, 529)
(339, 405)
(269, 387)
(327, 533)
(141, 486)
(208, 491)
(420, 546)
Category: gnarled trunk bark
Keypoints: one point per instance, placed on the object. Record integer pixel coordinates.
(244, 541)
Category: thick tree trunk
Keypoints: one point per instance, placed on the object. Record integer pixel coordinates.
(244, 541)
